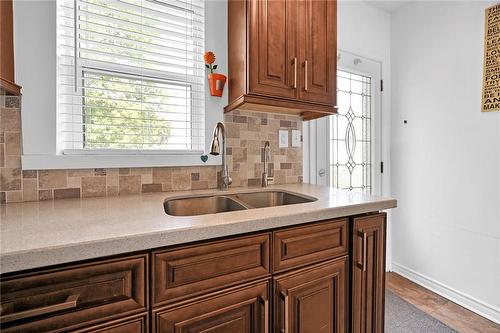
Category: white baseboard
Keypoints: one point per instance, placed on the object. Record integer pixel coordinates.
(481, 308)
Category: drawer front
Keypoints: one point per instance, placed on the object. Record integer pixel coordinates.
(134, 324)
(189, 271)
(74, 296)
(295, 247)
(244, 309)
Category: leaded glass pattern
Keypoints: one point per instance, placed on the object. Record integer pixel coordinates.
(350, 133)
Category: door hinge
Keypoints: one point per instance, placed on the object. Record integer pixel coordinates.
(381, 167)
(381, 85)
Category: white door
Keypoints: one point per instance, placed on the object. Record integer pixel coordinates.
(344, 150)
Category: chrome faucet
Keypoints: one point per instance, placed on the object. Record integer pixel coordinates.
(215, 149)
(267, 156)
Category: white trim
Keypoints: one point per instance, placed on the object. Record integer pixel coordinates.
(38, 162)
(481, 308)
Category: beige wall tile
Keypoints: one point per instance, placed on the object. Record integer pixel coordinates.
(12, 143)
(14, 196)
(93, 186)
(80, 172)
(181, 181)
(13, 161)
(74, 182)
(10, 120)
(112, 191)
(10, 179)
(66, 193)
(30, 189)
(52, 178)
(130, 184)
(162, 175)
(2, 155)
(147, 188)
(45, 195)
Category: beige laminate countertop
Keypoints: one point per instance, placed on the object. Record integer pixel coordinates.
(37, 234)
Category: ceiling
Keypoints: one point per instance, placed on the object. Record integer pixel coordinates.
(388, 6)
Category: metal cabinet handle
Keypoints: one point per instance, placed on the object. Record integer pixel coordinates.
(305, 75)
(266, 314)
(287, 328)
(69, 303)
(295, 73)
(364, 244)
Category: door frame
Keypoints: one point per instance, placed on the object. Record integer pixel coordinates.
(316, 149)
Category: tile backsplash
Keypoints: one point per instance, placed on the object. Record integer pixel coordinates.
(246, 134)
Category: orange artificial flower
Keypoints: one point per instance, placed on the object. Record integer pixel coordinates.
(209, 57)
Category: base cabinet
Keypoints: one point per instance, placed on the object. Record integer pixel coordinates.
(312, 300)
(241, 310)
(322, 277)
(368, 273)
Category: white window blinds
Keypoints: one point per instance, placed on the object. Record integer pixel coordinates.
(130, 75)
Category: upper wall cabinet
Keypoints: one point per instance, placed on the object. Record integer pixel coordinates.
(282, 56)
(7, 49)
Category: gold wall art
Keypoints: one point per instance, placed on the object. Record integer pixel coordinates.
(491, 64)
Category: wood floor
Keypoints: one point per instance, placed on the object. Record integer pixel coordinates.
(439, 307)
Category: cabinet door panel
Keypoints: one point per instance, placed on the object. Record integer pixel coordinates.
(312, 299)
(243, 310)
(318, 51)
(272, 42)
(368, 273)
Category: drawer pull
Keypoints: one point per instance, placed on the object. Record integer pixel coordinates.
(287, 328)
(69, 303)
(364, 244)
(266, 316)
(295, 73)
(305, 75)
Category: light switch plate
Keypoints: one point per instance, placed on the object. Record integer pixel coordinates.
(283, 138)
(296, 138)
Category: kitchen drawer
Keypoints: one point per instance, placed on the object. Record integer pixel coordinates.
(133, 324)
(303, 245)
(72, 297)
(244, 309)
(190, 271)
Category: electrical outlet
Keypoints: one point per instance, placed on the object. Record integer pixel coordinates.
(283, 138)
(296, 136)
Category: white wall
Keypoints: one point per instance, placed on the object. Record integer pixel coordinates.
(35, 66)
(446, 159)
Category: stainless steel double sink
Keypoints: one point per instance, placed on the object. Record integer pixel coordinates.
(220, 203)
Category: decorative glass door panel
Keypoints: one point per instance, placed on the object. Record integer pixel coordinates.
(350, 133)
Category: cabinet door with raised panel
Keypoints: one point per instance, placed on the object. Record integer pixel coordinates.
(272, 45)
(237, 310)
(368, 273)
(318, 51)
(312, 299)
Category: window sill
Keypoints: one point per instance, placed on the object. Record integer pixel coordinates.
(87, 161)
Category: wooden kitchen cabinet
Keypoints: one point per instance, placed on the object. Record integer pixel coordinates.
(368, 273)
(326, 276)
(76, 296)
(7, 49)
(240, 310)
(313, 299)
(282, 56)
(318, 51)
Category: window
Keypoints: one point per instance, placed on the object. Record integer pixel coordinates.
(350, 133)
(130, 75)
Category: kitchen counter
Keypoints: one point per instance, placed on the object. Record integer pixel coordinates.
(38, 234)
